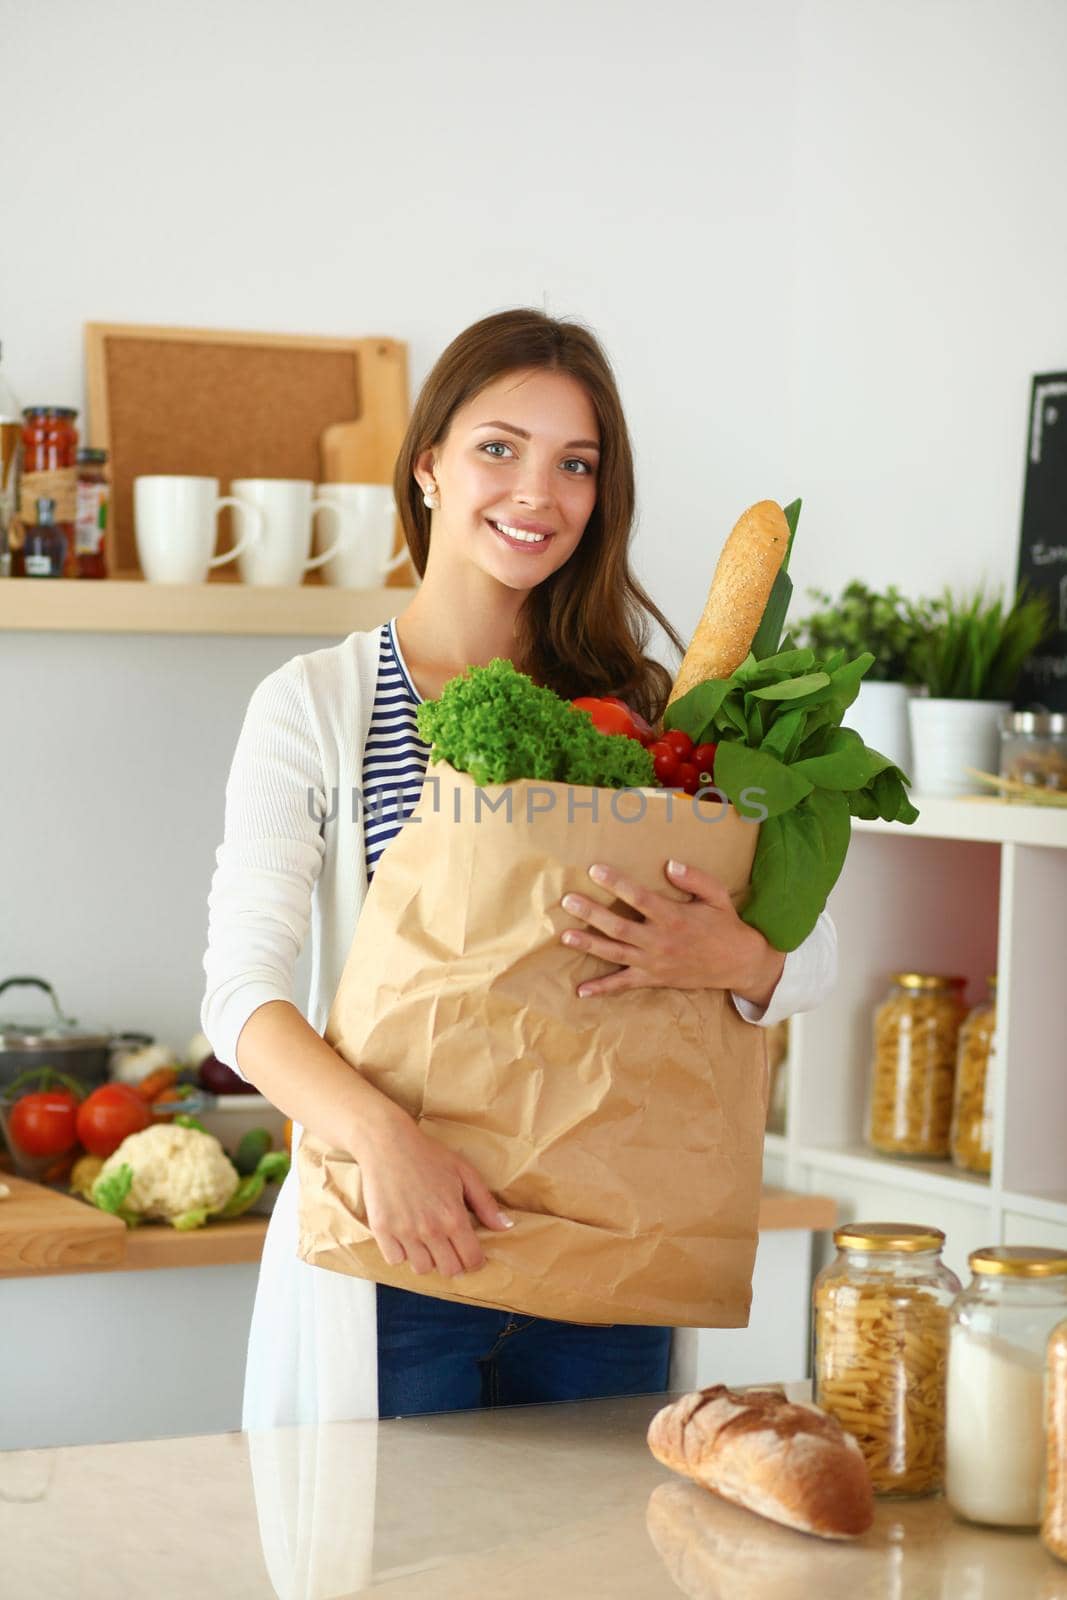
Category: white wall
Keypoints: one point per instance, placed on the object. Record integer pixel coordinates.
(821, 241)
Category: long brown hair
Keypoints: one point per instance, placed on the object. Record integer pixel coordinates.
(585, 628)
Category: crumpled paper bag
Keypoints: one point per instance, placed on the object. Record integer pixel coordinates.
(623, 1133)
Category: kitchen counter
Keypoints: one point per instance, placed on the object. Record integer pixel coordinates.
(43, 1230)
(520, 1502)
(79, 1283)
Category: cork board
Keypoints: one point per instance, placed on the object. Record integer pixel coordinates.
(236, 405)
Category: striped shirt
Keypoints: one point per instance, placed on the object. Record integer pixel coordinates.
(395, 758)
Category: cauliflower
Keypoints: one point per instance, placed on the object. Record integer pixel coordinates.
(175, 1173)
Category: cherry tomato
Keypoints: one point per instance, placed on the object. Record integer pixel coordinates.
(704, 758)
(109, 1115)
(45, 1123)
(665, 762)
(644, 729)
(680, 742)
(607, 718)
(688, 776)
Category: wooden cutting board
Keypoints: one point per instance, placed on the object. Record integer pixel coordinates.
(42, 1230)
(365, 450)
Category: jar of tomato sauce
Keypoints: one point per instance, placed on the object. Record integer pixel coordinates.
(49, 462)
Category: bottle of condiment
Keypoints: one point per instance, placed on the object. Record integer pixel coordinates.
(971, 1139)
(1054, 1516)
(995, 1437)
(49, 466)
(91, 525)
(916, 1034)
(10, 458)
(47, 552)
(881, 1342)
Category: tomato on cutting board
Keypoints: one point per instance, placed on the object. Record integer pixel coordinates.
(45, 1123)
(109, 1115)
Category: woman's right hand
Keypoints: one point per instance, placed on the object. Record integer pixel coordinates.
(417, 1192)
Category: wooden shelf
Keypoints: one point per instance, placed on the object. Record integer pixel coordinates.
(117, 605)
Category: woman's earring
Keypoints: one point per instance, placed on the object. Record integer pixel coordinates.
(430, 496)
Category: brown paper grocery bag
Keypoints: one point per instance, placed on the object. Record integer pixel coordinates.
(623, 1133)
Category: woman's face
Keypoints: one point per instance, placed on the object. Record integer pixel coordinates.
(537, 475)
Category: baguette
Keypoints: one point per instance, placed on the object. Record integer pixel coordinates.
(737, 599)
(791, 1463)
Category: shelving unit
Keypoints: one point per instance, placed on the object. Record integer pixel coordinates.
(974, 886)
(117, 605)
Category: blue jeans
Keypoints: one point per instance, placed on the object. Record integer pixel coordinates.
(443, 1355)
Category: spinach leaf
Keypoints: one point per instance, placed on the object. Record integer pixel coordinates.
(844, 763)
(798, 860)
(738, 768)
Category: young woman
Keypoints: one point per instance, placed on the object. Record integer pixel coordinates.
(515, 486)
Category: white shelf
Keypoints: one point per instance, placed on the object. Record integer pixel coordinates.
(983, 818)
(119, 605)
(924, 1177)
(1047, 1207)
(974, 887)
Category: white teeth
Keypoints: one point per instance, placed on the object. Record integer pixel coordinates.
(517, 533)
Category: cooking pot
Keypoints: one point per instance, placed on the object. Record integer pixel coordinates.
(59, 1042)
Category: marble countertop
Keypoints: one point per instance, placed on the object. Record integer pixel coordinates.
(561, 1501)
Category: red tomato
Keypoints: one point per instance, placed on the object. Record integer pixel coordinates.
(688, 776)
(44, 1124)
(644, 729)
(607, 718)
(109, 1115)
(704, 758)
(680, 742)
(665, 762)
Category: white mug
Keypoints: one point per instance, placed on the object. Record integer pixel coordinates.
(283, 554)
(175, 529)
(367, 513)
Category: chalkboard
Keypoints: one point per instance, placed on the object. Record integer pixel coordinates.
(1043, 540)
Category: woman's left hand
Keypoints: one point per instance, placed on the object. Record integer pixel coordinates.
(698, 943)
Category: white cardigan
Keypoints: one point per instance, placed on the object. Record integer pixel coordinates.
(312, 1353)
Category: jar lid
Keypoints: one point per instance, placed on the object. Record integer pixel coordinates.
(927, 980)
(1018, 1261)
(1045, 722)
(887, 1236)
(49, 411)
(87, 456)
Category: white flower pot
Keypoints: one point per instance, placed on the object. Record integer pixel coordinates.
(947, 737)
(879, 714)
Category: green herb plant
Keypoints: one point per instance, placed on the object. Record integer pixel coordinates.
(977, 649)
(777, 724)
(892, 627)
(497, 724)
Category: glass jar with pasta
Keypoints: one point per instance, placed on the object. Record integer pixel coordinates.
(881, 1350)
(971, 1138)
(916, 1035)
(1054, 1516)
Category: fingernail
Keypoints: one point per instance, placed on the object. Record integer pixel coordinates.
(677, 867)
(598, 873)
(503, 1217)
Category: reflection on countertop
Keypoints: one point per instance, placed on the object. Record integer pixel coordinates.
(559, 1500)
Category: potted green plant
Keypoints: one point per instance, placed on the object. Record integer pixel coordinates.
(969, 666)
(892, 628)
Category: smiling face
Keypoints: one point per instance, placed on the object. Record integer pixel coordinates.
(536, 476)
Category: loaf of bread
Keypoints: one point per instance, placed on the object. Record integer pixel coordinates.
(791, 1463)
(737, 599)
